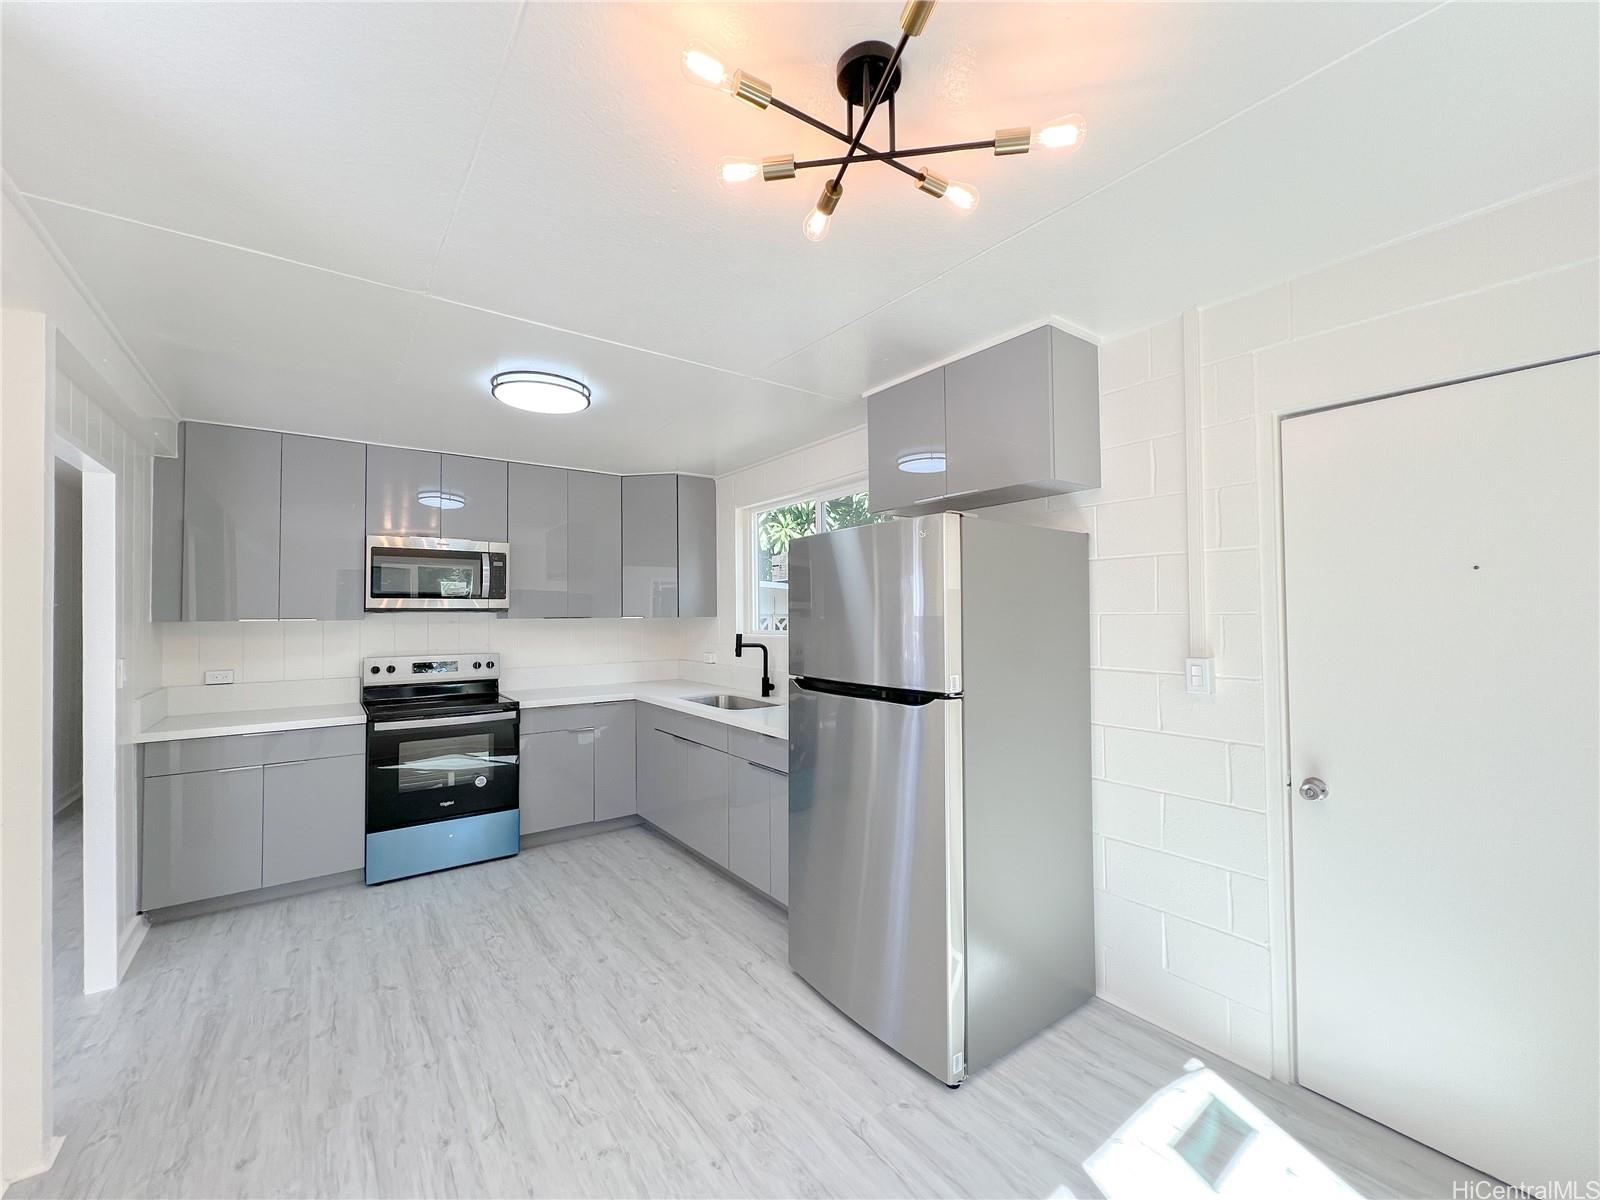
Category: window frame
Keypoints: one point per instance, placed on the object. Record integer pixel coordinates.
(745, 559)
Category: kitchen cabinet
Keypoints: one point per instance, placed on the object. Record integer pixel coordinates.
(323, 534)
(594, 544)
(231, 481)
(397, 480)
(202, 836)
(1019, 420)
(615, 761)
(313, 818)
(166, 535)
(555, 779)
(906, 442)
(750, 824)
(778, 798)
(700, 820)
(658, 771)
(479, 485)
(649, 545)
(536, 527)
(697, 546)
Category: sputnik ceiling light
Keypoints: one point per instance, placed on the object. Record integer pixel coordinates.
(868, 76)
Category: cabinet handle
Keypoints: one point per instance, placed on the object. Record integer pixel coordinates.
(769, 770)
(231, 770)
(681, 738)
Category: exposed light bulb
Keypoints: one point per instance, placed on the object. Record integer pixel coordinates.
(733, 171)
(1065, 133)
(816, 224)
(702, 66)
(963, 195)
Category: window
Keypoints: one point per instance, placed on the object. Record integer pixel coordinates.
(771, 531)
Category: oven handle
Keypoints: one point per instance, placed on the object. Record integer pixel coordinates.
(439, 722)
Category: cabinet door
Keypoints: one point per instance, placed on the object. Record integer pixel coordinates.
(536, 527)
(313, 819)
(323, 535)
(615, 760)
(998, 415)
(697, 546)
(594, 544)
(702, 822)
(778, 798)
(480, 486)
(649, 545)
(202, 836)
(906, 443)
(166, 535)
(658, 773)
(750, 825)
(555, 779)
(398, 482)
(231, 481)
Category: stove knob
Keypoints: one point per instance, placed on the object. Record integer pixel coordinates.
(375, 670)
(490, 664)
(478, 666)
(390, 668)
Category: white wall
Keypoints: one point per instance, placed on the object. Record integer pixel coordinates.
(67, 653)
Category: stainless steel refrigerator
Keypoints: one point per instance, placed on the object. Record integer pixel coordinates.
(940, 890)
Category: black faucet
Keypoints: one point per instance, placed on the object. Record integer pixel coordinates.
(767, 686)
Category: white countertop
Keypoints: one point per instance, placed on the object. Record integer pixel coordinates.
(668, 693)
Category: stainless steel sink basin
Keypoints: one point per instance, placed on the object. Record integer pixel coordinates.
(723, 700)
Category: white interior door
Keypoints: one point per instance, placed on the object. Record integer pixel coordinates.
(1442, 572)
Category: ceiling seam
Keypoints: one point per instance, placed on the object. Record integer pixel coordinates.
(424, 295)
(1126, 175)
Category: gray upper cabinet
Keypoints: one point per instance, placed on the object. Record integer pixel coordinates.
(231, 480)
(1019, 420)
(313, 819)
(906, 443)
(650, 546)
(536, 527)
(697, 546)
(594, 545)
(323, 529)
(166, 535)
(397, 481)
(479, 484)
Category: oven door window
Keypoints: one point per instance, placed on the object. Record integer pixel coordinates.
(428, 764)
(420, 775)
(426, 574)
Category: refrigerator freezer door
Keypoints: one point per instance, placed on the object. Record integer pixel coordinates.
(876, 889)
(879, 605)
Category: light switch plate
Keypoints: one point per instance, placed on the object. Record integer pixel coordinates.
(218, 677)
(1198, 677)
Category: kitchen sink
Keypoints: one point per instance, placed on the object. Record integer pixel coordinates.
(723, 700)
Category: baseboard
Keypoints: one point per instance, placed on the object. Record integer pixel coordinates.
(67, 799)
(569, 833)
(133, 935)
(52, 1150)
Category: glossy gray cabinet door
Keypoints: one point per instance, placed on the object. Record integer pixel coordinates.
(997, 414)
(701, 818)
(536, 527)
(323, 539)
(658, 784)
(697, 546)
(779, 799)
(649, 545)
(231, 480)
(480, 483)
(396, 482)
(594, 544)
(615, 761)
(750, 825)
(313, 818)
(166, 536)
(906, 435)
(202, 836)
(555, 779)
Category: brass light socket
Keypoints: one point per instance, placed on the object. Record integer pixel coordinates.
(914, 17)
(752, 90)
(829, 200)
(934, 185)
(1012, 141)
(778, 167)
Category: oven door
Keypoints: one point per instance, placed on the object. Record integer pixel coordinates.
(435, 573)
(433, 768)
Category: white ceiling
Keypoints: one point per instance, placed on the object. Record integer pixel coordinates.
(342, 218)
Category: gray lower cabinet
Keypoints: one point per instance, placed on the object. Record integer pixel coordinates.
(231, 480)
(700, 820)
(555, 779)
(398, 483)
(323, 531)
(536, 527)
(750, 825)
(615, 761)
(779, 799)
(202, 836)
(650, 546)
(658, 772)
(313, 818)
(594, 544)
(476, 488)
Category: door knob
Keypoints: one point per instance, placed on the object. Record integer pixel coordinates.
(1312, 788)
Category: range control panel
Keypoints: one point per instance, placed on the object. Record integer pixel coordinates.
(479, 664)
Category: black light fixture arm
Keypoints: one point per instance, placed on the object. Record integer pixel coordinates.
(892, 157)
(872, 105)
(800, 115)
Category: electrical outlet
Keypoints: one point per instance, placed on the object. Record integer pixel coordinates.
(1198, 677)
(709, 657)
(218, 677)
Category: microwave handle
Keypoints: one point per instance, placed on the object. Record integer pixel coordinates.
(487, 576)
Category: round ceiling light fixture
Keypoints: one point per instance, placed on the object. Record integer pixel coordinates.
(539, 392)
(434, 498)
(922, 462)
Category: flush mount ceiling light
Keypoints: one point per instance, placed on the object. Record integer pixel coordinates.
(437, 499)
(868, 76)
(539, 392)
(923, 462)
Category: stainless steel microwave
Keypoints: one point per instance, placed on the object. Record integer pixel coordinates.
(435, 573)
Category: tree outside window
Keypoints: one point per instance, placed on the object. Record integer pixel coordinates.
(772, 532)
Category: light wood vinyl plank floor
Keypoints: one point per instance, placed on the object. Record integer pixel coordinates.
(600, 1017)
